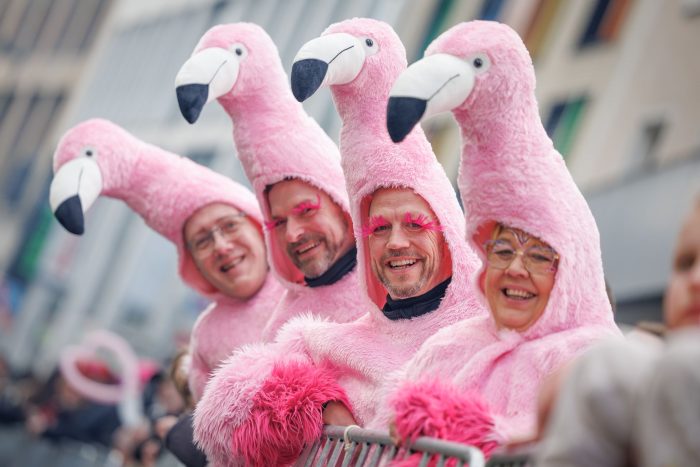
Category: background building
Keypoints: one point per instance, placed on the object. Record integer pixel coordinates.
(618, 92)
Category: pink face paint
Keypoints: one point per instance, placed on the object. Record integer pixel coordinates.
(306, 206)
(375, 222)
(270, 225)
(422, 222)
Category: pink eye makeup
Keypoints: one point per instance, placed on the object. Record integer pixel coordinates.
(271, 225)
(306, 206)
(421, 222)
(376, 225)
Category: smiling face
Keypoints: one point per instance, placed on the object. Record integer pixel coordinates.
(517, 297)
(407, 250)
(228, 249)
(682, 299)
(312, 229)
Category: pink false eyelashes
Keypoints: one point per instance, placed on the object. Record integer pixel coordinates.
(374, 223)
(304, 206)
(298, 210)
(411, 223)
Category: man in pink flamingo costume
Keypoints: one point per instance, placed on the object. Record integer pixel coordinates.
(268, 401)
(475, 381)
(292, 164)
(169, 192)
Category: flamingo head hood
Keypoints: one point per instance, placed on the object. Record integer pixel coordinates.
(509, 172)
(276, 140)
(360, 82)
(97, 157)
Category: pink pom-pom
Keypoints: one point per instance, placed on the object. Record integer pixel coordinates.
(286, 414)
(440, 411)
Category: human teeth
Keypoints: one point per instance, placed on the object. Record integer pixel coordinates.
(231, 265)
(304, 250)
(403, 262)
(518, 293)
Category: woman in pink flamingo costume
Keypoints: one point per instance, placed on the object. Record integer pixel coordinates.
(265, 404)
(239, 65)
(97, 157)
(473, 381)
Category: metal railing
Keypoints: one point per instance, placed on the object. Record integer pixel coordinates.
(355, 446)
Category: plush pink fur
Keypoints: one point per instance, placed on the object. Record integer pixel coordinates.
(274, 136)
(437, 410)
(266, 397)
(371, 160)
(226, 325)
(365, 351)
(286, 413)
(276, 140)
(339, 303)
(165, 190)
(511, 174)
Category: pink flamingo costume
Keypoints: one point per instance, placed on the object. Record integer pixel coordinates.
(239, 65)
(265, 404)
(97, 157)
(509, 173)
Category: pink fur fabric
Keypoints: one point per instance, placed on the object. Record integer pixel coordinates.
(226, 325)
(263, 405)
(371, 161)
(277, 140)
(165, 190)
(363, 352)
(511, 174)
(286, 413)
(440, 411)
(274, 136)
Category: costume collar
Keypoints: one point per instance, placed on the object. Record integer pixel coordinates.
(337, 271)
(413, 307)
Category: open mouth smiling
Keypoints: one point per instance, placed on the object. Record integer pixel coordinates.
(400, 264)
(231, 264)
(306, 248)
(517, 294)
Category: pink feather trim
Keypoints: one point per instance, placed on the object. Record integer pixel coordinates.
(305, 206)
(286, 414)
(440, 411)
(374, 223)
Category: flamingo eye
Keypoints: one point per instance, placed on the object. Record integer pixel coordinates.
(239, 50)
(89, 152)
(480, 62)
(370, 45)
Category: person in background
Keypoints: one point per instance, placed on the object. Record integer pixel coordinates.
(635, 402)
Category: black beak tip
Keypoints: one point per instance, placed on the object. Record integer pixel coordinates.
(307, 76)
(191, 99)
(70, 215)
(403, 113)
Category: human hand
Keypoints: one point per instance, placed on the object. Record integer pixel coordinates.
(336, 413)
(164, 424)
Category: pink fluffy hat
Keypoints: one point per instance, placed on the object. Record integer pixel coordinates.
(360, 59)
(97, 157)
(239, 65)
(510, 172)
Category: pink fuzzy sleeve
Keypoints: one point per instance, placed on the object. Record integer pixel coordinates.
(287, 414)
(438, 410)
(262, 406)
(198, 376)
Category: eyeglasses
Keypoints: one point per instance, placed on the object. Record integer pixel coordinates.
(202, 245)
(537, 259)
